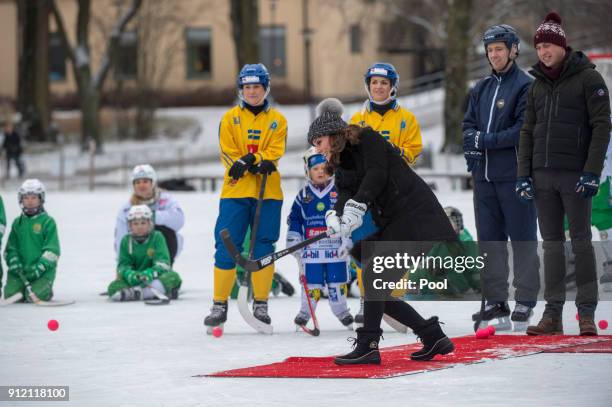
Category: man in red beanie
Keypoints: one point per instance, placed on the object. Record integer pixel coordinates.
(562, 149)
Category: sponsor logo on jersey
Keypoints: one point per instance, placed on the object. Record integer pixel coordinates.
(600, 92)
(320, 206)
(274, 125)
(150, 252)
(308, 198)
(386, 134)
(311, 254)
(500, 103)
(333, 194)
(252, 148)
(236, 120)
(403, 124)
(312, 232)
(36, 228)
(331, 254)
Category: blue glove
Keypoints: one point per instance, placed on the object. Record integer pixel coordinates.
(587, 185)
(472, 157)
(524, 189)
(473, 140)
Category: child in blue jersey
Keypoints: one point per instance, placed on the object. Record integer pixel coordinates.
(321, 262)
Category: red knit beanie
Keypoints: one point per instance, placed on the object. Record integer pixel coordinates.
(550, 31)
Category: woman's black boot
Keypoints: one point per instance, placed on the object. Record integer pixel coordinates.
(365, 349)
(435, 342)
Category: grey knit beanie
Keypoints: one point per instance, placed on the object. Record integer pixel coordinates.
(328, 121)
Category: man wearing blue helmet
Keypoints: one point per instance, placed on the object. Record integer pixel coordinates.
(252, 140)
(491, 129)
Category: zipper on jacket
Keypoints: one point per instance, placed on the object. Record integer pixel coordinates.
(552, 96)
(489, 126)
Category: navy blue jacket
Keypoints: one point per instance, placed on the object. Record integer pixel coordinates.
(496, 107)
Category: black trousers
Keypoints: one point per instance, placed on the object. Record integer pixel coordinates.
(556, 197)
(379, 302)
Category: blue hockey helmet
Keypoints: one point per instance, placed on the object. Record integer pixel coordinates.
(502, 33)
(253, 74)
(383, 69)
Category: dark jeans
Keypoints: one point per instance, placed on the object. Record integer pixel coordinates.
(501, 215)
(18, 163)
(555, 196)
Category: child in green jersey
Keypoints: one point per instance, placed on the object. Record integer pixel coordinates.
(33, 249)
(143, 268)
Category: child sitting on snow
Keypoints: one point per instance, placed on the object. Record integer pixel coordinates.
(144, 268)
(33, 249)
(320, 261)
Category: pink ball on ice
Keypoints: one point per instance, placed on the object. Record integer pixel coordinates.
(52, 325)
(603, 324)
(217, 332)
(491, 330)
(482, 333)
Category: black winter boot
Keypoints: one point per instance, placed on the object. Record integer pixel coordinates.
(365, 349)
(433, 339)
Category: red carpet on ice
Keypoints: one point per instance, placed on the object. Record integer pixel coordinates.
(396, 360)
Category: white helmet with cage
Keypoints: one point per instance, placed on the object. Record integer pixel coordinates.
(138, 212)
(144, 171)
(31, 186)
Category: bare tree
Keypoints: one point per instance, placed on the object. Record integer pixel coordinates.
(161, 34)
(33, 85)
(455, 83)
(244, 15)
(90, 83)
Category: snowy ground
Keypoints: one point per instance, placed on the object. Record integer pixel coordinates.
(131, 355)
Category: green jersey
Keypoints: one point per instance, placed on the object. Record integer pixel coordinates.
(150, 254)
(33, 240)
(2, 219)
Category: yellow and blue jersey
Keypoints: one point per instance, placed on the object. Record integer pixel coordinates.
(265, 136)
(398, 126)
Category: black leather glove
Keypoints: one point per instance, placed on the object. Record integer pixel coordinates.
(241, 165)
(266, 167)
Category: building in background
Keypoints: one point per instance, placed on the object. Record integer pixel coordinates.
(345, 39)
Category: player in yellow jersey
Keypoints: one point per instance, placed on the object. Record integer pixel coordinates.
(383, 113)
(252, 138)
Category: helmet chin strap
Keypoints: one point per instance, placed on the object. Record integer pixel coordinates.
(391, 97)
(511, 57)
